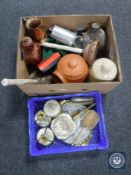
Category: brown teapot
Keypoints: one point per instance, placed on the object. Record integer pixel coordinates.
(71, 68)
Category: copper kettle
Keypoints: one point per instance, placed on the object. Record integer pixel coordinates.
(71, 68)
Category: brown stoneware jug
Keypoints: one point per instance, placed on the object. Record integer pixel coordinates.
(71, 68)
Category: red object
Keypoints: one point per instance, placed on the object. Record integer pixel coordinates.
(49, 62)
(31, 51)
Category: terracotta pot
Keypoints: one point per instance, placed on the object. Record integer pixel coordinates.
(72, 68)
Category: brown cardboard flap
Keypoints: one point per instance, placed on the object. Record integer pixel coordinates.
(40, 89)
(21, 68)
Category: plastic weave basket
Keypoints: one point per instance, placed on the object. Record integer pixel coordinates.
(98, 140)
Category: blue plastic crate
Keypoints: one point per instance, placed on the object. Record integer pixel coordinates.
(98, 141)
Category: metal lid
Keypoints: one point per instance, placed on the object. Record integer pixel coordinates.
(52, 108)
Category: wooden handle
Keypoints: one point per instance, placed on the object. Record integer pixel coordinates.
(17, 82)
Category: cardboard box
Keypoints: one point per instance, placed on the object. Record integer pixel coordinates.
(71, 22)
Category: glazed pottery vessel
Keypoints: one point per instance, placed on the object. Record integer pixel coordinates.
(35, 29)
(31, 51)
(72, 68)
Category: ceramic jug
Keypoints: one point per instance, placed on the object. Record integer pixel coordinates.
(31, 51)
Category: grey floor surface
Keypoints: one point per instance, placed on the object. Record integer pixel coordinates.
(14, 156)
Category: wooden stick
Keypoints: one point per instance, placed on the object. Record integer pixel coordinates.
(62, 47)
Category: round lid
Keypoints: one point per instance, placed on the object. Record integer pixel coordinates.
(73, 66)
(52, 108)
(104, 69)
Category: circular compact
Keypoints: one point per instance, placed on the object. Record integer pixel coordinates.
(52, 108)
(63, 126)
(45, 136)
(41, 119)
